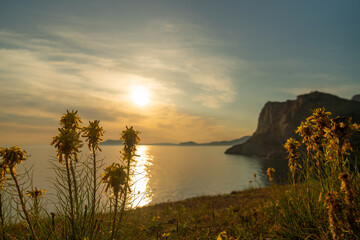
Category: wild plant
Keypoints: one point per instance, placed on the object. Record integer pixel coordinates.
(74, 186)
(10, 158)
(115, 179)
(324, 202)
(2, 205)
(130, 138)
(68, 146)
(270, 173)
(292, 146)
(93, 134)
(35, 195)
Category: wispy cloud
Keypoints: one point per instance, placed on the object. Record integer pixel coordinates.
(61, 68)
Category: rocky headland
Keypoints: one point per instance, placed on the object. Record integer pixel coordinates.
(279, 120)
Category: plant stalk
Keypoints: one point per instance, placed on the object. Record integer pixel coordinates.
(126, 189)
(94, 187)
(75, 186)
(114, 220)
(2, 231)
(22, 203)
(71, 197)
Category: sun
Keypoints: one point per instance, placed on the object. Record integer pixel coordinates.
(140, 96)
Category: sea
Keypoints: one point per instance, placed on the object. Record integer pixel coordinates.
(161, 173)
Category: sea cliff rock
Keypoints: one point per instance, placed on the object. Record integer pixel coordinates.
(279, 120)
(356, 97)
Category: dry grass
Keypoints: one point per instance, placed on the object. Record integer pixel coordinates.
(240, 214)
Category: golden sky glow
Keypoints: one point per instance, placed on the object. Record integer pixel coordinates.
(206, 68)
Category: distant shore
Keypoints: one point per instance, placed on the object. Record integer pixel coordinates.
(188, 143)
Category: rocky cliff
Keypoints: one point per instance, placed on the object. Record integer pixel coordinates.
(356, 97)
(279, 120)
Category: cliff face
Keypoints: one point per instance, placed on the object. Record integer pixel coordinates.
(279, 120)
(356, 97)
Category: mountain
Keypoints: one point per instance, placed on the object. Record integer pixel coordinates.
(217, 143)
(228, 143)
(112, 142)
(279, 120)
(189, 143)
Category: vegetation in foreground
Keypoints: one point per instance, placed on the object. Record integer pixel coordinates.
(321, 201)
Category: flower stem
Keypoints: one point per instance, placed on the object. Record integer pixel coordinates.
(2, 231)
(94, 187)
(126, 189)
(70, 197)
(22, 203)
(75, 186)
(114, 220)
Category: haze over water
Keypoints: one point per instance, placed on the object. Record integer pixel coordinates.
(166, 173)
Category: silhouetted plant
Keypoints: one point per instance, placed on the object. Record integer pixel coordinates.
(71, 121)
(68, 145)
(130, 138)
(115, 179)
(93, 134)
(10, 158)
(3, 171)
(35, 195)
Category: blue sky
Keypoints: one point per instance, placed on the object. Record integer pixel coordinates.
(208, 66)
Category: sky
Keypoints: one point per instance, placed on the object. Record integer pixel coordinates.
(206, 68)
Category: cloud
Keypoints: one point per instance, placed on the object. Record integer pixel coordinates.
(45, 73)
(175, 58)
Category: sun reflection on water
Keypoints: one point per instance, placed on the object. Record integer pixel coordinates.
(140, 178)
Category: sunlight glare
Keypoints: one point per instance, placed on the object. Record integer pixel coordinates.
(139, 187)
(140, 96)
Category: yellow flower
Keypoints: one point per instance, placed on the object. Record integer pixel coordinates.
(36, 193)
(270, 172)
(338, 134)
(3, 172)
(93, 134)
(156, 219)
(114, 177)
(130, 138)
(165, 235)
(292, 146)
(11, 157)
(67, 142)
(306, 129)
(320, 118)
(70, 120)
(222, 236)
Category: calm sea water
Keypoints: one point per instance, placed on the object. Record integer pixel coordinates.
(167, 173)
